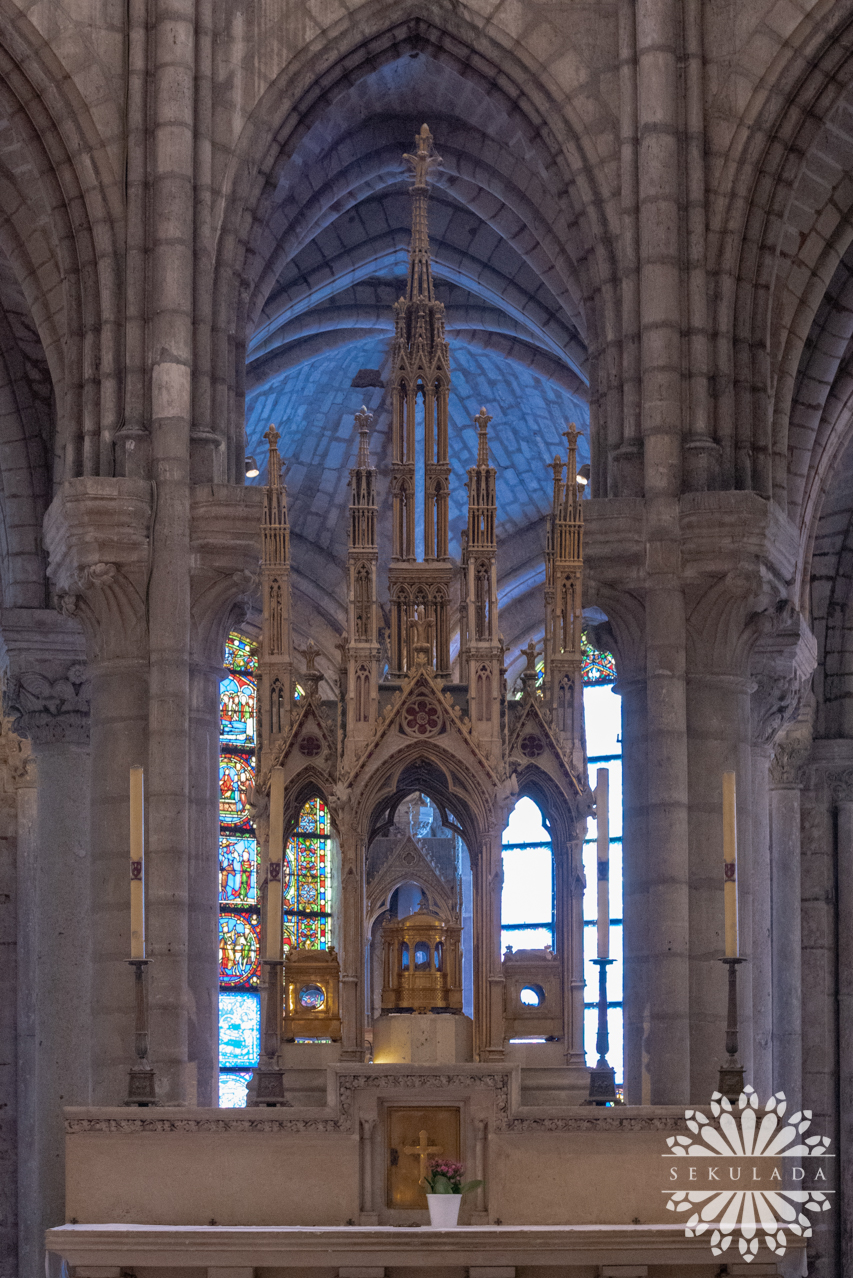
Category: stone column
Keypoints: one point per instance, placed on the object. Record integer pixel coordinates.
(90, 518)
(719, 741)
(8, 999)
(842, 786)
(786, 776)
(635, 914)
(47, 695)
(171, 114)
(487, 885)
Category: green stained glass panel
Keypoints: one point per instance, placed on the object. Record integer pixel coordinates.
(241, 653)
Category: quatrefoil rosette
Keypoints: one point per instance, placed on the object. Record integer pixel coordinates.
(740, 1133)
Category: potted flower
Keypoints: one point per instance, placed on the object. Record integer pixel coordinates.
(444, 1190)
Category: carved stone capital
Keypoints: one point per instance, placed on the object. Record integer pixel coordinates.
(736, 556)
(226, 548)
(46, 693)
(774, 704)
(783, 659)
(788, 764)
(96, 534)
(839, 783)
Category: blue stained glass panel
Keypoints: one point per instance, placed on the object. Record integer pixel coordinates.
(232, 1089)
(238, 870)
(237, 711)
(239, 1029)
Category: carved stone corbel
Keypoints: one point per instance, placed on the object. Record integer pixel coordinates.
(96, 534)
(792, 750)
(225, 563)
(46, 684)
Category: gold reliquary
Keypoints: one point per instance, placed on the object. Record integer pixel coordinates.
(311, 995)
(421, 964)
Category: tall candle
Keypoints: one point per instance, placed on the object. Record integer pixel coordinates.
(730, 864)
(602, 816)
(137, 862)
(272, 931)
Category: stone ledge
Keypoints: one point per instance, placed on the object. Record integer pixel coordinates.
(292, 1246)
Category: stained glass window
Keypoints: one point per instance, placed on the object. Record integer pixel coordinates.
(241, 653)
(236, 778)
(305, 881)
(239, 1030)
(237, 711)
(233, 1087)
(239, 916)
(598, 667)
(238, 870)
(239, 949)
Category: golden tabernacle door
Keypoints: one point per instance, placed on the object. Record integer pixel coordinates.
(414, 1137)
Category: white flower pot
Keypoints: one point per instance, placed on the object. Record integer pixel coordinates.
(444, 1210)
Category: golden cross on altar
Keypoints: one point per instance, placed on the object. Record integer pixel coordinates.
(423, 1149)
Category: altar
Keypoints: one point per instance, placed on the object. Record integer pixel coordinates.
(318, 1186)
(475, 1251)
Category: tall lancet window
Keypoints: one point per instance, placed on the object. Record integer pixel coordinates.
(603, 721)
(527, 903)
(305, 885)
(239, 919)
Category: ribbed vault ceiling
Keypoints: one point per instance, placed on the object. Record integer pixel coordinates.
(335, 262)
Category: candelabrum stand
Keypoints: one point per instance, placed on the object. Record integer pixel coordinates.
(602, 1079)
(730, 1082)
(141, 1080)
(270, 1075)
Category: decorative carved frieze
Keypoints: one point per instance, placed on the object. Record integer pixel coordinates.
(343, 1117)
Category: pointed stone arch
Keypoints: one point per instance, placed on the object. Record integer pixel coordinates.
(303, 91)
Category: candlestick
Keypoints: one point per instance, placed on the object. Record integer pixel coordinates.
(730, 865)
(141, 1086)
(602, 816)
(602, 1079)
(730, 1083)
(272, 931)
(137, 863)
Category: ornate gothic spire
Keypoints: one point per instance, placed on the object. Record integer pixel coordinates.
(421, 370)
(362, 642)
(420, 267)
(563, 616)
(275, 664)
(482, 649)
